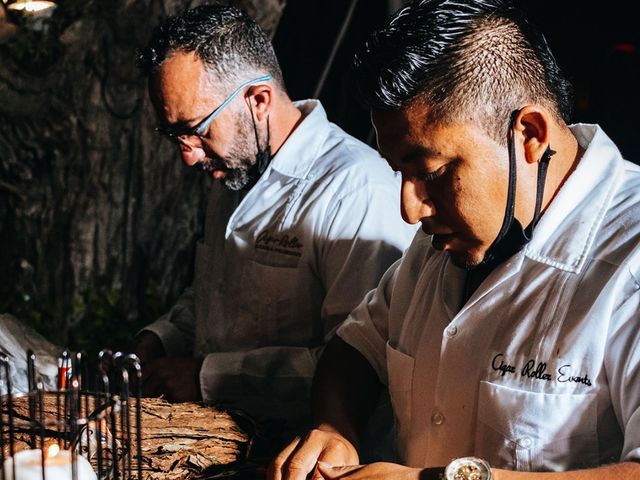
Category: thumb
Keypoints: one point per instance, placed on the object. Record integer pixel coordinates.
(330, 472)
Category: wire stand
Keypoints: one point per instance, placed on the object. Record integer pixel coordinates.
(87, 428)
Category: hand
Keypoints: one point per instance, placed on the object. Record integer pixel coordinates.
(299, 458)
(372, 472)
(147, 346)
(177, 378)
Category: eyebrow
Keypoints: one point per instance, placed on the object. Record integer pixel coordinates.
(417, 153)
(182, 126)
(185, 123)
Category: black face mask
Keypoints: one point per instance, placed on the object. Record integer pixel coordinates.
(263, 157)
(512, 236)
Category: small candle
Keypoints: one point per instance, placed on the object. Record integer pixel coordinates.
(33, 6)
(57, 465)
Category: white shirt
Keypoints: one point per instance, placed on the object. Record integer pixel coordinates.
(540, 369)
(278, 269)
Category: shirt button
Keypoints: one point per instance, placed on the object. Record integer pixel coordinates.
(525, 442)
(452, 330)
(437, 418)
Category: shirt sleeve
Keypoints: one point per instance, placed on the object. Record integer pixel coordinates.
(367, 327)
(269, 382)
(176, 328)
(363, 235)
(622, 363)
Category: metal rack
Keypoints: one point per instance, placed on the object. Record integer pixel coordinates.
(95, 415)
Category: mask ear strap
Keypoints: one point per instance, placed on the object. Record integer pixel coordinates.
(543, 165)
(511, 192)
(255, 126)
(263, 156)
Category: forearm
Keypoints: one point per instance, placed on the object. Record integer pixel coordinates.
(175, 329)
(268, 372)
(618, 471)
(345, 390)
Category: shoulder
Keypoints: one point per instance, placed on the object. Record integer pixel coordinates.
(619, 236)
(345, 161)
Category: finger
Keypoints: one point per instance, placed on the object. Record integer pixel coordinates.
(274, 471)
(338, 456)
(316, 475)
(330, 472)
(303, 460)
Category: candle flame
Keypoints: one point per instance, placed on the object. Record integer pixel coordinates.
(32, 6)
(53, 450)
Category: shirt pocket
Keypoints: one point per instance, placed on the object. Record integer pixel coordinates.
(280, 302)
(532, 431)
(400, 372)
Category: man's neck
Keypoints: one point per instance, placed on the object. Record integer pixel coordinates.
(284, 120)
(562, 165)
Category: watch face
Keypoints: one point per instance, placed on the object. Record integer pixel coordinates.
(468, 468)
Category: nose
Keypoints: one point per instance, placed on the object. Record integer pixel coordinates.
(191, 155)
(415, 203)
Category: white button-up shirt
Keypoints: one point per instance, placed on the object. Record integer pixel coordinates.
(540, 369)
(281, 266)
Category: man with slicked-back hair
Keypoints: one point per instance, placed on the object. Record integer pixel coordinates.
(509, 333)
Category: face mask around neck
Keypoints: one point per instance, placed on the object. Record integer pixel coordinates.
(512, 237)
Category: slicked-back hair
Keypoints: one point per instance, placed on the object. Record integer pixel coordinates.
(230, 44)
(465, 60)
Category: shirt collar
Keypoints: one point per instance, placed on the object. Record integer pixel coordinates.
(566, 232)
(298, 153)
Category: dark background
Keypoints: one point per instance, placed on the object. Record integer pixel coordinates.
(99, 217)
(596, 43)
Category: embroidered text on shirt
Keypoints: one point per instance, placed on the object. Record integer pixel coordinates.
(538, 371)
(288, 245)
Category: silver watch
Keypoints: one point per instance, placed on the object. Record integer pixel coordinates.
(468, 468)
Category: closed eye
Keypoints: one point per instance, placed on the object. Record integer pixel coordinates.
(431, 176)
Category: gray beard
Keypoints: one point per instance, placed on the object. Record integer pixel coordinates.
(237, 179)
(241, 158)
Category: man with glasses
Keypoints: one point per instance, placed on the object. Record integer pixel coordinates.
(508, 334)
(302, 223)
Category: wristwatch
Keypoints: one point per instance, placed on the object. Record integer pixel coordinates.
(468, 468)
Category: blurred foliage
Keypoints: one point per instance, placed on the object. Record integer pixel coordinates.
(35, 51)
(99, 318)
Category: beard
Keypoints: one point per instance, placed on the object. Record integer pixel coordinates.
(238, 163)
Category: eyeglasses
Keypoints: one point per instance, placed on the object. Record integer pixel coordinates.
(182, 134)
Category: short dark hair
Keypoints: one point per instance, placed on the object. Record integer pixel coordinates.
(481, 59)
(225, 38)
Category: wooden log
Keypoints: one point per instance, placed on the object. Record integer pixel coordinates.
(179, 441)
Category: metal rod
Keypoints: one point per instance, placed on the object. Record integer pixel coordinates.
(31, 386)
(40, 396)
(336, 45)
(5, 367)
(12, 447)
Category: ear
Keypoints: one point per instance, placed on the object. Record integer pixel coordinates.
(260, 98)
(532, 125)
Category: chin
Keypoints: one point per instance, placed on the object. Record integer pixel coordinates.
(466, 259)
